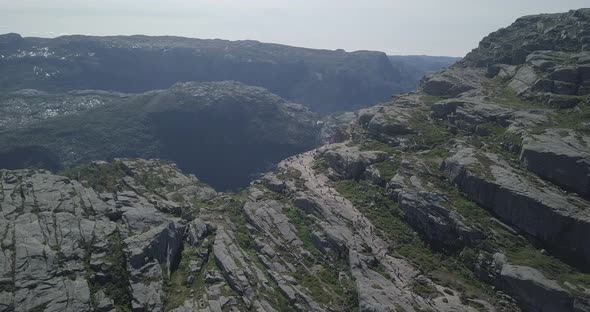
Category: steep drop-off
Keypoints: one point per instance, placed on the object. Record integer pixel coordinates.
(225, 131)
(325, 81)
(469, 194)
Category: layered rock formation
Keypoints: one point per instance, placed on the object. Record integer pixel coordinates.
(469, 194)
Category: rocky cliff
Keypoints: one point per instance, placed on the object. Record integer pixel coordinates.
(326, 81)
(466, 195)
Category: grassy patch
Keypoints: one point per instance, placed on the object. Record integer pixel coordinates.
(388, 168)
(507, 97)
(326, 287)
(424, 288)
(289, 174)
(375, 145)
(102, 178)
(518, 250)
(118, 287)
(430, 99)
(388, 218)
(574, 118)
(551, 267)
(178, 290)
(305, 227)
(431, 133)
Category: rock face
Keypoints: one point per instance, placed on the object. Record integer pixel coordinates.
(537, 209)
(566, 152)
(437, 85)
(566, 32)
(45, 240)
(470, 194)
(538, 293)
(350, 163)
(535, 291)
(64, 250)
(429, 213)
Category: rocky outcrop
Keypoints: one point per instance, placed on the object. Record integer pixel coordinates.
(350, 162)
(561, 156)
(67, 248)
(386, 120)
(233, 264)
(446, 86)
(427, 213)
(534, 207)
(151, 256)
(268, 216)
(45, 236)
(562, 32)
(472, 112)
(534, 291)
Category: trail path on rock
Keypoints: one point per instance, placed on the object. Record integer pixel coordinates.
(341, 213)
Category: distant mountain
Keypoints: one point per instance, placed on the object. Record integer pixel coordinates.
(224, 131)
(325, 81)
(471, 193)
(414, 67)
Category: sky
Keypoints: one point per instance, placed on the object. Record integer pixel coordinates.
(425, 27)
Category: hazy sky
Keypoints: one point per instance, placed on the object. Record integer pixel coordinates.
(434, 27)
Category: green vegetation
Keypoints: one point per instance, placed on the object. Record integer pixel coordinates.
(444, 269)
(117, 286)
(518, 250)
(574, 118)
(526, 254)
(234, 210)
(101, 177)
(289, 174)
(424, 288)
(326, 286)
(388, 168)
(431, 132)
(375, 145)
(177, 288)
(504, 95)
(305, 228)
(430, 99)
(324, 283)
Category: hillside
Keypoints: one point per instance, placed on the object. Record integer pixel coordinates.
(471, 193)
(200, 126)
(325, 81)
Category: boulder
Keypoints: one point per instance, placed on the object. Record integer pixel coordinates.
(351, 162)
(441, 85)
(426, 212)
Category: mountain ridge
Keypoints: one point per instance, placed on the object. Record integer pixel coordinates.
(468, 194)
(324, 80)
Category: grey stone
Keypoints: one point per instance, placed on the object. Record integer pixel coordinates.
(444, 86)
(350, 162)
(567, 74)
(567, 153)
(538, 209)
